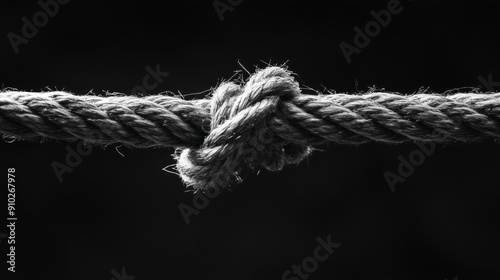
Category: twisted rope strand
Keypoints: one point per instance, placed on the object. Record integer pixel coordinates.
(267, 122)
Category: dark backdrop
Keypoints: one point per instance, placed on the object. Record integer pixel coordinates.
(115, 215)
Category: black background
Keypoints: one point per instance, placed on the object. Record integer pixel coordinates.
(113, 211)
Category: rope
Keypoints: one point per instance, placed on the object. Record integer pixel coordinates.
(267, 122)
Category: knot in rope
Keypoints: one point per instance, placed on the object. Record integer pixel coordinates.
(240, 137)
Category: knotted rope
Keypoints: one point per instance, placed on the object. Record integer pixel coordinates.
(267, 122)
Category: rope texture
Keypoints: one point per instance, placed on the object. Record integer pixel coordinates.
(266, 122)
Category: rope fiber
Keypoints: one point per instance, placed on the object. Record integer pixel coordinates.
(266, 122)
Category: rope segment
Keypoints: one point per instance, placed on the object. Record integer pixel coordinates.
(266, 122)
